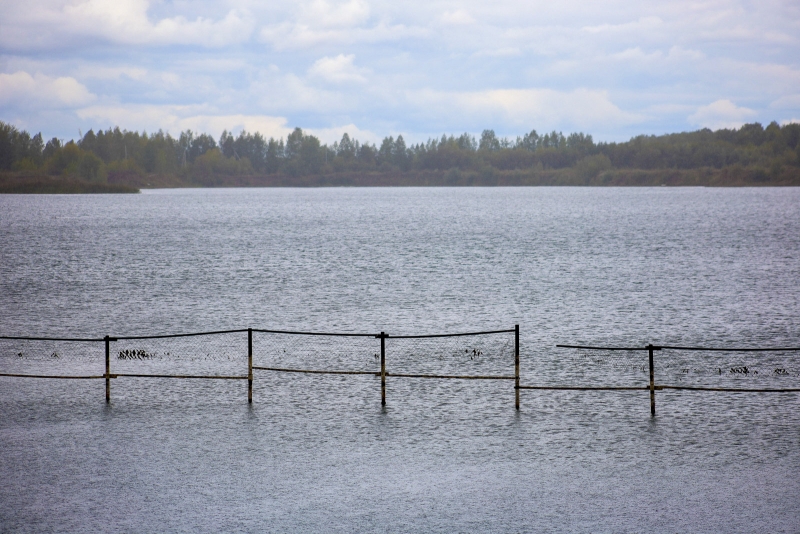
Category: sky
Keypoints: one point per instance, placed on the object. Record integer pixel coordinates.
(613, 69)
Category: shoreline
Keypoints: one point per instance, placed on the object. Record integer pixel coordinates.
(25, 183)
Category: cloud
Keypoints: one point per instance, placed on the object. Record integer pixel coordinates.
(300, 36)
(786, 102)
(327, 23)
(321, 13)
(614, 68)
(101, 72)
(126, 22)
(541, 108)
(458, 17)
(175, 119)
(721, 114)
(644, 23)
(22, 89)
(498, 52)
(334, 134)
(339, 69)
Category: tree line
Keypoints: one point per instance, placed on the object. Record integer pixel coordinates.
(121, 156)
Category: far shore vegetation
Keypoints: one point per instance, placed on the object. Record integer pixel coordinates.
(116, 161)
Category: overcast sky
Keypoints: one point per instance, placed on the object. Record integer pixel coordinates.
(614, 69)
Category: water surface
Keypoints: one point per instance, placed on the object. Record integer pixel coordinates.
(679, 266)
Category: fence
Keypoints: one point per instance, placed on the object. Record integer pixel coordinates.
(488, 355)
(222, 355)
(716, 364)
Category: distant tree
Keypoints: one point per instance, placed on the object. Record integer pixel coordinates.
(226, 144)
(275, 156)
(750, 134)
(386, 152)
(530, 141)
(489, 141)
(400, 155)
(346, 149)
(52, 146)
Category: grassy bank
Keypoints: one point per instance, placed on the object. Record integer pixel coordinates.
(43, 184)
(733, 176)
(132, 182)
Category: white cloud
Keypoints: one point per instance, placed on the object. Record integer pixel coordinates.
(637, 54)
(101, 72)
(321, 13)
(499, 52)
(678, 54)
(644, 23)
(299, 36)
(411, 67)
(543, 108)
(175, 119)
(334, 134)
(339, 69)
(22, 89)
(121, 21)
(459, 17)
(786, 102)
(291, 93)
(321, 23)
(126, 21)
(721, 114)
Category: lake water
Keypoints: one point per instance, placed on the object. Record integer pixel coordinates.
(673, 266)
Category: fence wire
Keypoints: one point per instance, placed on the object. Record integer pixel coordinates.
(589, 368)
(216, 354)
(675, 367)
(480, 355)
(301, 352)
(57, 358)
(727, 369)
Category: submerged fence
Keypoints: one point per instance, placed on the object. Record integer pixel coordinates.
(236, 354)
(487, 355)
(628, 365)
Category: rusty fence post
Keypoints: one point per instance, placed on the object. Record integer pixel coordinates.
(250, 365)
(652, 382)
(383, 369)
(516, 365)
(108, 369)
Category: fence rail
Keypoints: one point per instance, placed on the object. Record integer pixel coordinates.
(653, 387)
(229, 353)
(312, 344)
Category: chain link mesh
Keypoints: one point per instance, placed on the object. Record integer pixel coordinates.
(583, 367)
(587, 368)
(209, 354)
(316, 352)
(728, 369)
(470, 355)
(56, 358)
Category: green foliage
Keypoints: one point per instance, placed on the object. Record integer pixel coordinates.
(91, 168)
(762, 155)
(213, 164)
(16, 146)
(590, 167)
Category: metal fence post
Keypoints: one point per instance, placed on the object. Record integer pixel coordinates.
(516, 365)
(250, 365)
(383, 369)
(108, 369)
(652, 382)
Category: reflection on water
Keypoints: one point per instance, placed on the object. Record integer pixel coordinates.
(593, 266)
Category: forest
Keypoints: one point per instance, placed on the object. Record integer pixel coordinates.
(117, 160)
